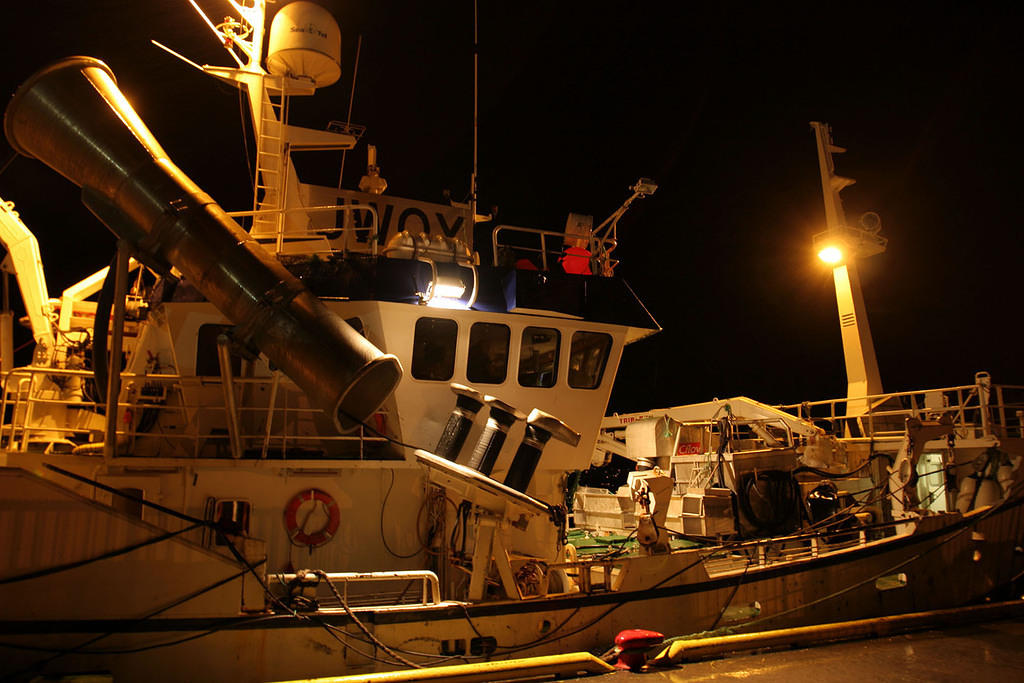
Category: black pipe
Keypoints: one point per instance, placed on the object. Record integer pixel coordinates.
(501, 419)
(468, 402)
(540, 427)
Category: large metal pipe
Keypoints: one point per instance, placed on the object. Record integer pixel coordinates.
(72, 117)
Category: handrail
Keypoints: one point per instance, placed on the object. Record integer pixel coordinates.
(762, 552)
(372, 229)
(604, 246)
(960, 402)
(19, 400)
(430, 592)
(714, 427)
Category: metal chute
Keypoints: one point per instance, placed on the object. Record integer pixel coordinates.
(72, 117)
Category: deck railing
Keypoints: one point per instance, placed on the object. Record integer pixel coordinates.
(510, 243)
(280, 426)
(410, 588)
(600, 573)
(976, 410)
(350, 232)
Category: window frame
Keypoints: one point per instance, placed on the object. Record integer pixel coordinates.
(416, 368)
(599, 376)
(471, 359)
(555, 361)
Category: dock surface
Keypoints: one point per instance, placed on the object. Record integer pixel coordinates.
(992, 651)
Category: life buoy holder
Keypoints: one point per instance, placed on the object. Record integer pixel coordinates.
(312, 538)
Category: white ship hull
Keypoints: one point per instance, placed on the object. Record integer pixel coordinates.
(948, 560)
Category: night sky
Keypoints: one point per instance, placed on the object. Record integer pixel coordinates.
(579, 99)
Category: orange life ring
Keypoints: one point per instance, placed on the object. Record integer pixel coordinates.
(300, 536)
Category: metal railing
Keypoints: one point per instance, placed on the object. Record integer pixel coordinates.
(403, 593)
(976, 410)
(537, 246)
(345, 230)
(769, 552)
(195, 419)
(598, 573)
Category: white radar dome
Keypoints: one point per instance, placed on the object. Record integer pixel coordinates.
(305, 42)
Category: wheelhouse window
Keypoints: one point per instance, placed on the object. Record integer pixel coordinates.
(538, 357)
(588, 356)
(488, 353)
(433, 349)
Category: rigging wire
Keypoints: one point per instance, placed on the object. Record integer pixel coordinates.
(10, 160)
(351, 100)
(245, 143)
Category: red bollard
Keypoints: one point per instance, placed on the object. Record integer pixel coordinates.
(632, 645)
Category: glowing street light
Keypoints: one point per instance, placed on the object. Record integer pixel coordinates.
(831, 254)
(840, 246)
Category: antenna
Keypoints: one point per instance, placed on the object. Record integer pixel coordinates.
(476, 79)
(351, 99)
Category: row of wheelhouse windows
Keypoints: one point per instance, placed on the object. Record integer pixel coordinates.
(433, 355)
(434, 344)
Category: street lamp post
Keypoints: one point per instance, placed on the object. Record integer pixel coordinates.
(840, 246)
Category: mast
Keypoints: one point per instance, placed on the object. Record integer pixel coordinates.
(277, 208)
(840, 245)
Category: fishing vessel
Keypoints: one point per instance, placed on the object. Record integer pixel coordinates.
(323, 435)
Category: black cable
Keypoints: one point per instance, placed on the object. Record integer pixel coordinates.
(735, 590)
(359, 624)
(553, 633)
(617, 548)
(842, 475)
(227, 541)
(382, 435)
(98, 558)
(136, 499)
(78, 649)
(383, 539)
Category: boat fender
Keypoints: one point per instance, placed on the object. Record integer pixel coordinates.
(297, 531)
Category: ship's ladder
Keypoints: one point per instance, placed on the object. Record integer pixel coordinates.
(270, 178)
